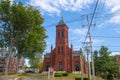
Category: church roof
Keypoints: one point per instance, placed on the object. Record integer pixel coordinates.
(76, 53)
(61, 22)
(47, 55)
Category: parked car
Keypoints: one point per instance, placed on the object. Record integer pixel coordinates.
(30, 71)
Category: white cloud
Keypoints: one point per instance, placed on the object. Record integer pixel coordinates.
(82, 34)
(76, 47)
(114, 7)
(102, 25)
(77, 31)
(97, 41)
(115, 53)
(79, 34)
(115, 19)
(55, 6)
(45, 6)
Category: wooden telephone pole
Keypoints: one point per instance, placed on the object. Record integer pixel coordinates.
(90, 38)
(81, 63)
(88, 62)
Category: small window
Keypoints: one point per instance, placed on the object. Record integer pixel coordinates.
(62, 49)
(60, 66)
(58, 50)
(68, 66)
(47, 66)
(58, 34)
(62, 33)
(77, 66)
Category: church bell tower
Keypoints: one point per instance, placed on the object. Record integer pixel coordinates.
(61, 36)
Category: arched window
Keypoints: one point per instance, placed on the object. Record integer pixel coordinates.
(60, 66)
(77, 66)
(62, 33)
(58, 33)
(58, 50)
(62, 49)
(47, 66)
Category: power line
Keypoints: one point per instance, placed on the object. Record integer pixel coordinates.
(91, 21)
(96, 37)
(108, 46)
(103, 5)
(107, 36)
(78, 19)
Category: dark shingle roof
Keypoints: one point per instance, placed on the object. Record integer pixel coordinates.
(61, 22)
(76, 53)
(47, 55)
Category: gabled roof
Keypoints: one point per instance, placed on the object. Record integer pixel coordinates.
(47, 55)
(76, 53)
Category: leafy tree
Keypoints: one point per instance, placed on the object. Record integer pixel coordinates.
(104, 63)
(21, 27)
(36, 62)
(33, 43)
(26, 67)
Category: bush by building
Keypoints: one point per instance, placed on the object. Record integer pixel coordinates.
(58, 74)
(61, 74)
(78, 78)
(65, 74)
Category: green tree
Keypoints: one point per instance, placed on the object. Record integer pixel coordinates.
(36, 62)
(33, 43)
(26, 67)
(21, 26)
(104, 63)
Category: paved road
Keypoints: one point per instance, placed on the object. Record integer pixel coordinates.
(25, 78)
(7, 79)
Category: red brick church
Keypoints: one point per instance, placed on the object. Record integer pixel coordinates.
(62, 57)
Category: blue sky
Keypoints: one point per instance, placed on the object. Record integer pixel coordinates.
(107, 21)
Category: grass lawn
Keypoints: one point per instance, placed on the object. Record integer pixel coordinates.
(69, 77)
(20, 75)
(38, 76)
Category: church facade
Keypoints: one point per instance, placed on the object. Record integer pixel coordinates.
(62, 57)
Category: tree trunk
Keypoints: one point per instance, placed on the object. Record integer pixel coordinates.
(8, 59)
(17, 64)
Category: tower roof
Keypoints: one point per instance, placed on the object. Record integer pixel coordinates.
(61, 22)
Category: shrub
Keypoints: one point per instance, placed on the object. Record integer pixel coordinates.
(65, 74)
(85, 79)
(77, 78)
(58, 74)
(110, 77)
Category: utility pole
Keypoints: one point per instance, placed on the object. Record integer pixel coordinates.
(92, 59)
(88, 62)
(81, 63)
